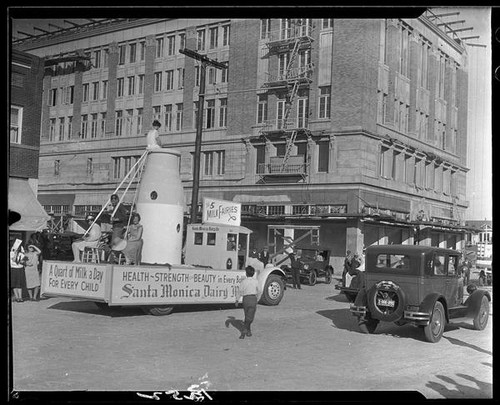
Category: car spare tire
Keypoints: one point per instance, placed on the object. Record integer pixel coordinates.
(386, 301)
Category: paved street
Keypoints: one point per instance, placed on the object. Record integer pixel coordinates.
(310, 342)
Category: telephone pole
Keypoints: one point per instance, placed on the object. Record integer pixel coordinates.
(199, 124)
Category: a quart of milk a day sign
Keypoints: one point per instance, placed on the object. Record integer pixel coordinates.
(221, 212)
(85, 280)
(172, 285)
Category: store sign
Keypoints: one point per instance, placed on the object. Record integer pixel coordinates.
(85, 280)
(167, 285)
(221, 212)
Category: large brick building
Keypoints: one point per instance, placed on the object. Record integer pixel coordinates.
(356, 125)
(25, 96)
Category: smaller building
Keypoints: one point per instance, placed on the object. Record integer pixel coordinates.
(482, 238)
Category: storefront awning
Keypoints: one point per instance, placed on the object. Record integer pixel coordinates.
(22, 200)
(56, 199)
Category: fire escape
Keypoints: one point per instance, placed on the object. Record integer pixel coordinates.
(292, 46)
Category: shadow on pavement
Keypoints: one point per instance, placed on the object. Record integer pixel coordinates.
(464, 344)
(236, 323)
(123, 311)
(481, 390)
(341, 318)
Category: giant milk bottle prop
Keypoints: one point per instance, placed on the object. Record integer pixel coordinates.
(160, 203)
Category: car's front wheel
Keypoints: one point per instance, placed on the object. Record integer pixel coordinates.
(481, 318)
(434, 330)
(312, 278)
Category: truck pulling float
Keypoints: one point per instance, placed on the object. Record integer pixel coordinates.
(214, 264)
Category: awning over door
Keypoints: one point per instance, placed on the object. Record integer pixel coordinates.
(22, 200)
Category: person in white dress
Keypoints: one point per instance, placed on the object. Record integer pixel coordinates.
(153, 137)
(91, 239)
(31, 271)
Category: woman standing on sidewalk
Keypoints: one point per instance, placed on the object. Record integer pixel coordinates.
(17, 259)
(31, 270)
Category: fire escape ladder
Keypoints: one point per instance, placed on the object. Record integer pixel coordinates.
(290, 143)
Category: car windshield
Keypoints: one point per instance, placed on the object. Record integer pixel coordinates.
(393, 261)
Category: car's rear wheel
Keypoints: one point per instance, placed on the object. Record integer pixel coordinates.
(481, 318)
(386, 301)
(312, 278)
(434, 330)
(368, 325)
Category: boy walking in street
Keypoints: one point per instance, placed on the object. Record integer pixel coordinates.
(249, 290)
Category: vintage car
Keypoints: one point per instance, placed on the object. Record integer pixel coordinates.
(315, 263)
(418, 285)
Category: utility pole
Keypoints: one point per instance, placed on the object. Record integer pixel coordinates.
(199, 124)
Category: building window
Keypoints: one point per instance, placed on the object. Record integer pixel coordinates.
(84, 126)
(102, 130)
(404, 51)
(142, 45)
(159, 47)
(214, 37)
(323, 156)
(96, 60)
(121, 54)
(131, 85)
(171, 45)
(170, 80)
(211, 75)
(157, 113)
(223, 113)
(69, 93)
(180, 78)
(178, 118)
(225, 74)
(62, 127)
(210, 122)
(214, 163)
(225, 34)
(283, 59)
(16, 124)
(52, 129)
(139, 121)
(200, 44)
(423, 72)
(262, 108)
(95, 91)
(90, 168)
(302, 112)
(429, 175)
(129, 121)
(119, 123)
(117, 167)
(57, 167)
(158, 81)
(132, 50)
(104, 95)
(70, 126)
(121, 87)
(141, 84)
(182, 41)
(324, 102)
(53, 97)
(168, 117)
(196, 75)
(326, 23)
(265, 28)
(285, 28)
(440, 75)
(280, 114)
(93, 126)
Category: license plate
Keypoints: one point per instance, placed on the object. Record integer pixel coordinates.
(386, 303)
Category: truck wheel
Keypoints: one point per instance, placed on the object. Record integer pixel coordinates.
(368, 325)
(434, 330)
(312, 278)
(328, 276)
(273, 290)
(481, 318)
(158, 311)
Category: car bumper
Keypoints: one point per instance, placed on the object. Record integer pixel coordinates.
(413, 316)
(358, 310)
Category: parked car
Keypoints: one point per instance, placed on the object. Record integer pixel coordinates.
(418, 285)
(315, 264)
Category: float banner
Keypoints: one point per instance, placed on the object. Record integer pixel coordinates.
(86, 280)
(177, 284)
(221, 212)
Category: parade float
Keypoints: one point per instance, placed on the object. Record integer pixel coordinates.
(215, 253)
